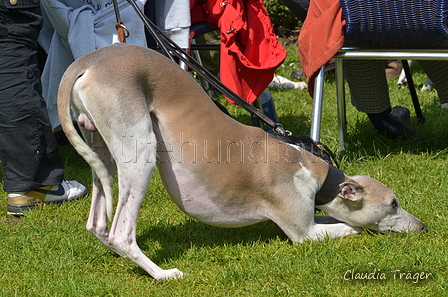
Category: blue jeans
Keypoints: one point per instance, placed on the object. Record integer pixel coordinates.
(28, 150)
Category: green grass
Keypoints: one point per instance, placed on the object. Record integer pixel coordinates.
(49, 252)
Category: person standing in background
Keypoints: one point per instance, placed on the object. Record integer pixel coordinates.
(33, 169)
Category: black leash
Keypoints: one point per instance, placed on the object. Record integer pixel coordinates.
(172, 49)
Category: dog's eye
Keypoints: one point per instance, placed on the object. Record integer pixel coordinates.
(394, 203)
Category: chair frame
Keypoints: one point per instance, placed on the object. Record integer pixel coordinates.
(360, 53)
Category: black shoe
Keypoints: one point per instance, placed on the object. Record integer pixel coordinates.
(402, 113)
(397, 124)
(298, 74)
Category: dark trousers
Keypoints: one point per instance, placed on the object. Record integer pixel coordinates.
(28, 150)
(298, 7)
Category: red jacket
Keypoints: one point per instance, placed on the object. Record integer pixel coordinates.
(249, 51)
(321, 37)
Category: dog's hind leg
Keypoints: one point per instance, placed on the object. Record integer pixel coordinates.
(136, 159)
(97, 222)
(122, 236)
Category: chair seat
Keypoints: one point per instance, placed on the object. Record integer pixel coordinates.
(396, 22)
(404, 30)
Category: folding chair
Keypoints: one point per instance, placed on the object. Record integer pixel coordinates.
(404, 27)
(264, 102)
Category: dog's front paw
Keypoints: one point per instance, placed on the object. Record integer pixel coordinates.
(357, 230)
(352, 230)
(170, 274)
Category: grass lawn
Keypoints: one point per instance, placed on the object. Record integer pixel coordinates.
(49, 253)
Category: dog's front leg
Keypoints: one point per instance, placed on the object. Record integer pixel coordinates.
(299, 223)
(332, 230)
(328, 220)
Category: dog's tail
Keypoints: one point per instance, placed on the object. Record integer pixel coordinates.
(64, 100)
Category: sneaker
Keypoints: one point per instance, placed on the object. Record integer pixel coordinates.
(67, 190)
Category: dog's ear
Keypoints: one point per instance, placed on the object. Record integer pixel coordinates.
(351, 190)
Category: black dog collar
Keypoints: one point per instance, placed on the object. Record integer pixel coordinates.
(330, 188)
(335, 177)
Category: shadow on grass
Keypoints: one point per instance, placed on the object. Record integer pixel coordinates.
(175, 240)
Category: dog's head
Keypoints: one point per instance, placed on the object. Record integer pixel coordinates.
(365, 202)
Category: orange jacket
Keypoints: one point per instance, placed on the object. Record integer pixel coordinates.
(249, 51)
(321, 37)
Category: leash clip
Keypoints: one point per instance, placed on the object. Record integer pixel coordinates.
(123, 27)
(279, 129)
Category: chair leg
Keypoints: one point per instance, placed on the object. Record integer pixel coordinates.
(340, 98)
(418, 110)
(316, 114)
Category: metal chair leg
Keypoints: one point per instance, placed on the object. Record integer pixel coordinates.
(418, 110)
(316, 114)
(340, 98)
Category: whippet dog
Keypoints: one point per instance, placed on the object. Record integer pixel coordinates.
(138, 109)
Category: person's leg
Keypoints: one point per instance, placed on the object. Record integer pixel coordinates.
(370, 94)
(368, 85)
(28, 149)
(32, 165)
(437, 71)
